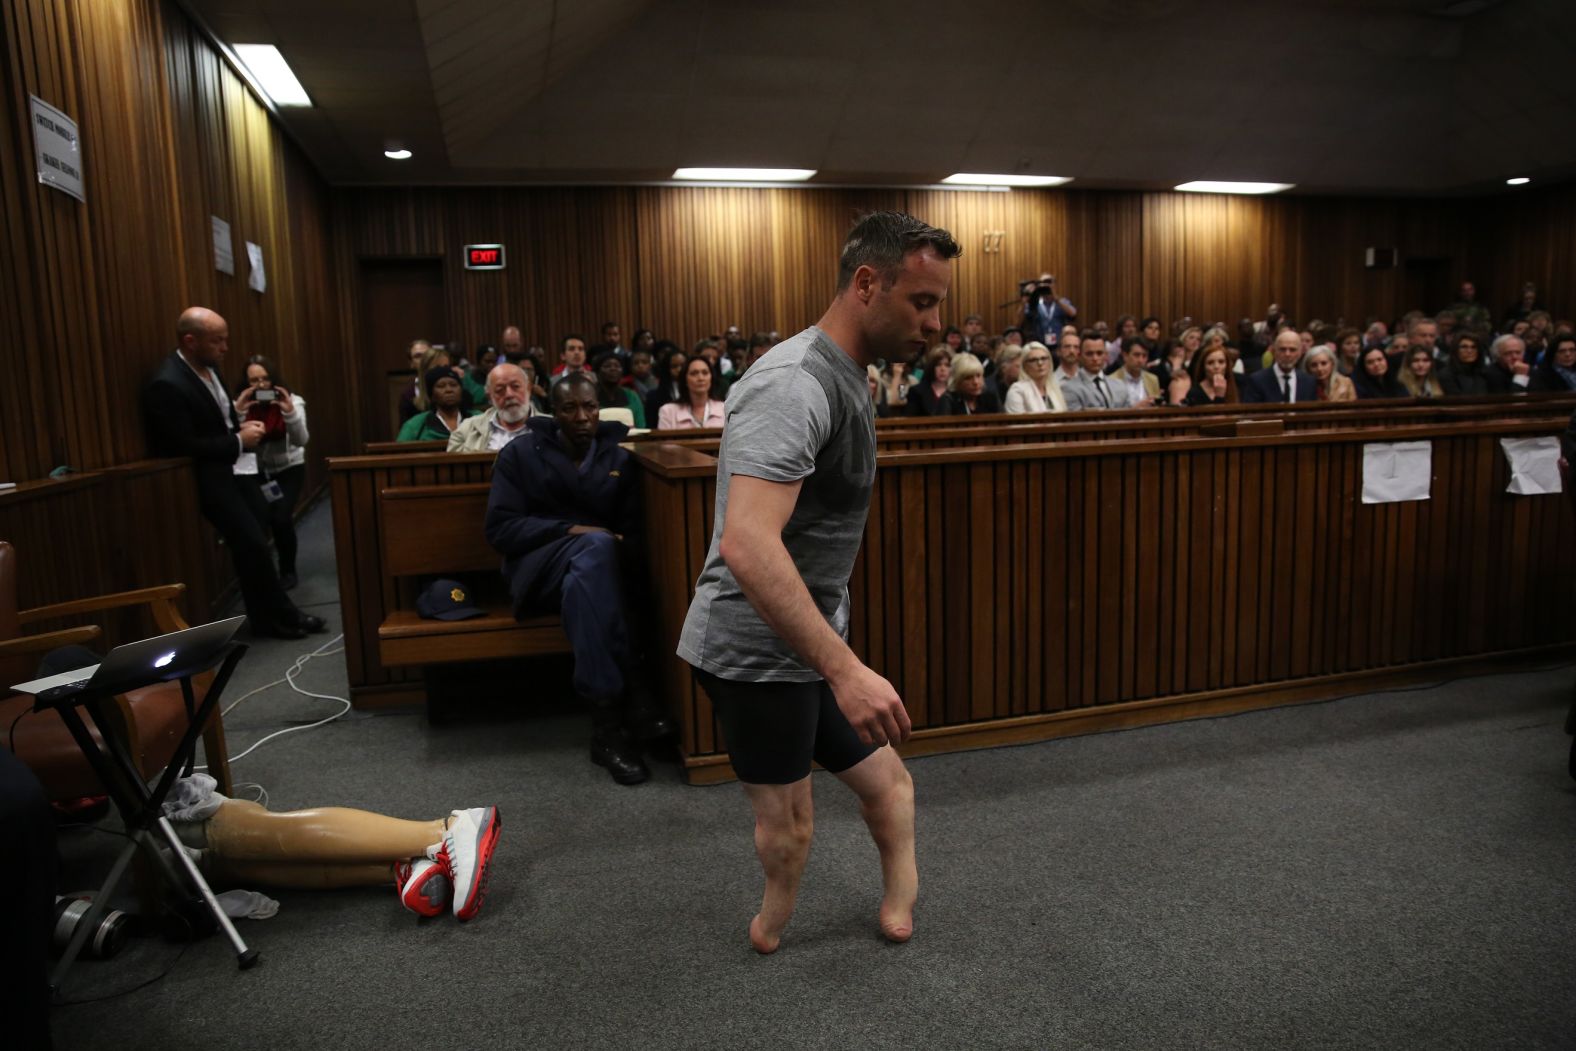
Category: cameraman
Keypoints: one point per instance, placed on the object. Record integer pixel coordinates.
(1044, 312)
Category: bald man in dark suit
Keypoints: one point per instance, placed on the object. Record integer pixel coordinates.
(189, 413)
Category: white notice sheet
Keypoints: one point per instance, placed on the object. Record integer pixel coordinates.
(1397, 471)
(1534, 465)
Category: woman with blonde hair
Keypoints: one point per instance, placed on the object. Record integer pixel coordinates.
(1036, 391)
(966, 394)
(1325, 370)
(1418, 377)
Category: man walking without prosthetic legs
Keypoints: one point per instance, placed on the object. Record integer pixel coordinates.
(767, 628)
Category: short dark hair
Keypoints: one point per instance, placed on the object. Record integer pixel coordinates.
(882, 240)
(565, 341)
(1090, 333)
(569, 380)
(1133, 341)
(761, 339)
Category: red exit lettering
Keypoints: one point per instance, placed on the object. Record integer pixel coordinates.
(484, 255)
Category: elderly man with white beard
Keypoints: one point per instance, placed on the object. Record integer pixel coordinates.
(510, 394)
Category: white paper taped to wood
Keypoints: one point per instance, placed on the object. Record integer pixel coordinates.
(1397, 471)
(1534, 465)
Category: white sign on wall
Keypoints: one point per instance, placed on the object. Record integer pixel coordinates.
(223, 247)
(1534, 465)
(58, 149)
(254, 259)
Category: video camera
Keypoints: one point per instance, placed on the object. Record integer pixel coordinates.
(1034, 288)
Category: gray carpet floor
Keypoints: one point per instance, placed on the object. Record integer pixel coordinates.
(1389, 871)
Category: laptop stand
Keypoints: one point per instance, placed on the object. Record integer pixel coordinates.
(141, 808)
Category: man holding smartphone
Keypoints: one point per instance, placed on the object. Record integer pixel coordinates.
(767, 628)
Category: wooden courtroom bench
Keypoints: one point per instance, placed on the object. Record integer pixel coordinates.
(435, 531)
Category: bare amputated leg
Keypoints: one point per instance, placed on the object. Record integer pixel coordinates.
(784, 822)
(886, 798)
(243, 831)
(307, 876)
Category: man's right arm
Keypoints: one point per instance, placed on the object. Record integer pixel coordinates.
(752, 547)
(169, 419)
(514, 526)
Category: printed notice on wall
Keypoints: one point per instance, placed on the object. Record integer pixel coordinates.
(58, 149)
(1397, 471)
(254, 259)
(1534, 465)
(223, 247)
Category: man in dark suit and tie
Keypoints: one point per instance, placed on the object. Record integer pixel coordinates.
(1283, 383)
(189, 413)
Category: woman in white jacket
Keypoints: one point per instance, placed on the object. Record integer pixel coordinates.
(281, 456)
(1036, 391)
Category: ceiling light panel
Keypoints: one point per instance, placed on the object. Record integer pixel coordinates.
(745, 174)
(273, 74)
(1218, 186)
(978, 179)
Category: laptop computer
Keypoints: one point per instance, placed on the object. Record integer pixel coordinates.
(137, 663)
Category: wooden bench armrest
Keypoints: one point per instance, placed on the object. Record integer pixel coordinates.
(161, 601)
(49, 640)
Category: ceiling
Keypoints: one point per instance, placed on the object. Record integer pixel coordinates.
(1343, 96)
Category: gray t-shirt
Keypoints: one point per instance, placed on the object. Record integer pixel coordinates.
(803, 411)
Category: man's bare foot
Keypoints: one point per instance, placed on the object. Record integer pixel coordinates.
(897, 921)
(764, 943)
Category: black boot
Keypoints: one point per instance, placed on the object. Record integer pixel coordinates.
(612, 748)
(644, 717)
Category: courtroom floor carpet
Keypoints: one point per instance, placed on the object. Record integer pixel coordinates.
(1394, 870)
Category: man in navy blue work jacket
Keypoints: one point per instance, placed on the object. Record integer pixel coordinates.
(564, 501)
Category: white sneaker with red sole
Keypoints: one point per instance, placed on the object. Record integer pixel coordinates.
(464, 854)
(423, 885)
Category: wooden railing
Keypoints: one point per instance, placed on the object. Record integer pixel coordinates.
(1014, 593)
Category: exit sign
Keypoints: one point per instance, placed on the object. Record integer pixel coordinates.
(484, 257)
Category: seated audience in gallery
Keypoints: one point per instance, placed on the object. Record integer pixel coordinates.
(1179, 354)
(966, 394)
(1009, 370)
(1036, 391)
(1464, 374)
(924, 399)
(699, 408)
(711, 351)
(1349, 346)
(419, 401)
(509, 406)
(1126, 328)
(1281, 381)
(1418, 376)
(1143, 386)
(1329, 382)
(1067, 356)
(896, 381)
(446, 396)
(1092, 388)
(1557, 370)
(571, 356)
(413, 393)
(1508, 372)
(608, 368)
(1212, 382)
(642, 378)
(1375, 379)
(669, 374)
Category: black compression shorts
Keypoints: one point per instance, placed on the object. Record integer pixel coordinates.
(774, 729)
